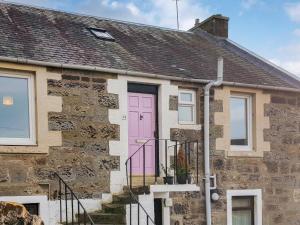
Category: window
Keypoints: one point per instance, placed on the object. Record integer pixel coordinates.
(101, 33)
(244, 207)
(32, 208)
(187, 107)
(17, 110)
(240, 122)
(243, 210)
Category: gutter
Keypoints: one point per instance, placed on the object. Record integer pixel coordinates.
(207, 88)
(137, 74)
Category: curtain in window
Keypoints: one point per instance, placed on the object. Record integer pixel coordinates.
(241, 217)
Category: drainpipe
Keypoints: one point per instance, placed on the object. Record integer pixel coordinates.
(207, 88)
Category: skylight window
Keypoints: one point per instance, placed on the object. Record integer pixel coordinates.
(101, 33)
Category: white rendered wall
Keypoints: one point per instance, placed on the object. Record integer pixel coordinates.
(50, 210)
(147, 201)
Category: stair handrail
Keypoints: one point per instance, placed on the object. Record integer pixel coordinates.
(143, 148)
(132, 195)
(68, 190)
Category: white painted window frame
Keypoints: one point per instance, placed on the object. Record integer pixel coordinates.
(256, 193)
(187, 103)
(32, 118)
(248, 147)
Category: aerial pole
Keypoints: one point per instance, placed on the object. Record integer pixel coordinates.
(177, 14)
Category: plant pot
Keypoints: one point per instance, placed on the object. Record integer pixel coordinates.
(184, 179)
(168, 180)
(181, 179)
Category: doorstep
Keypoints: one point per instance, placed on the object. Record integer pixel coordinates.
(173, 188)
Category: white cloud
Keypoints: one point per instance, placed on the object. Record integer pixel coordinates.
(291, 66)
(293, 10)
(154, 12)
(288, 57)
(297, 32)
(247, 4)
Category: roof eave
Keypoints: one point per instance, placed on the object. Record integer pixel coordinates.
(136, 73)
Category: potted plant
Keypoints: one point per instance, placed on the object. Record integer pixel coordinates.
(183, 173)
(168, 179)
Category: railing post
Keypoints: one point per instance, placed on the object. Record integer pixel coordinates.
(166, 157)
(60, 206)
(138, 213)
(66, 201)
(156, 160)
(130, 222)
(186, 162)
(84, 217)
(175, 161)
(72, 207)
(78, 212)
(144, 169)
(130, 173)
(197, 166)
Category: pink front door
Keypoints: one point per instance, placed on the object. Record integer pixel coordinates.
(141, 127)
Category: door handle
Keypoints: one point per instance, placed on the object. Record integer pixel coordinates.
(141, 117)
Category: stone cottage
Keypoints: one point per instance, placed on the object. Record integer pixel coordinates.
(112, 122)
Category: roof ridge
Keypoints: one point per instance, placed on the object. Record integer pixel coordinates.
(92, 16)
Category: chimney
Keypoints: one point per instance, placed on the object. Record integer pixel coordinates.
(216, 25)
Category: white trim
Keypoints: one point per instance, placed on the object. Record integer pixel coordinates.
(191, 103)
(167, 119)
(248, 147)
(32, 121)
(256, 193)
(158, 188)
(42, 200)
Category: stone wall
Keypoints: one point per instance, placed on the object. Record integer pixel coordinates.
(83, 160)
(277, 173)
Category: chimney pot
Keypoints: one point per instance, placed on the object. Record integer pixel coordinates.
(216, 25)
(197, 21)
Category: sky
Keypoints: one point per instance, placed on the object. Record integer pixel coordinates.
(270, 28)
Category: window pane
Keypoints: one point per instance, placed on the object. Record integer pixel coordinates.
(242, 217)
(32, 208)
(185, 113)
(242, 210)
(186, 97)
(14, 108)
(238, 121)
(241, 203)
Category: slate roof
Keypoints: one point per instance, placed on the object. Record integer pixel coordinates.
(60, 37)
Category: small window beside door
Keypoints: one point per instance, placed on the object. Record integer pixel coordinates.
(241, 122)
(187, 107)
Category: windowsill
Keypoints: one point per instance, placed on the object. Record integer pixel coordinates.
(190, 126)
(29, 143)
(244, 153)
(174, 187)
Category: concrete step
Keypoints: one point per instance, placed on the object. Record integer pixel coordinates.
(138, 190)
(106, 218)
(122, 199)
(114, 208)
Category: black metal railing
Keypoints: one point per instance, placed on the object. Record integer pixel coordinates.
(71, 210)
(180, 162)
(177, 164)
